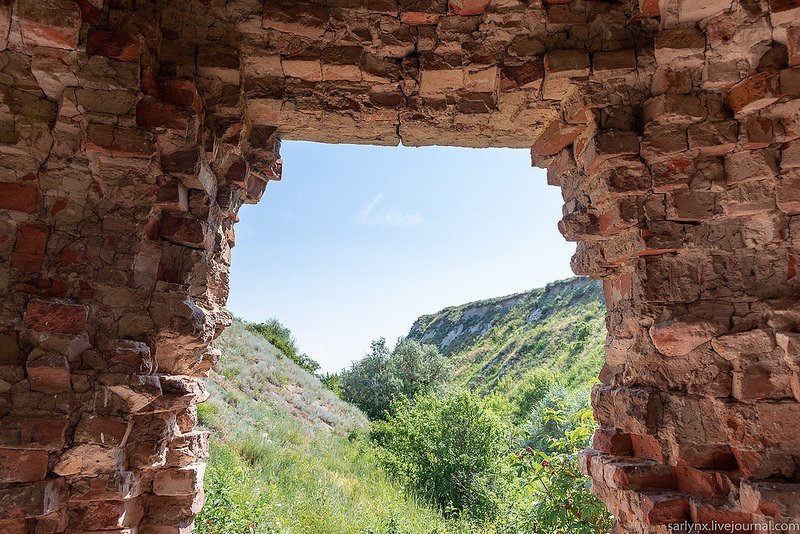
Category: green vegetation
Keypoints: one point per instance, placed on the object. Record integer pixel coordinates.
(477, 418)
(281, 338)
(384, 375)
(288, 455)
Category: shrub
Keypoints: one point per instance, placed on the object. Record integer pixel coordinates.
(451, 451)
(384, 375)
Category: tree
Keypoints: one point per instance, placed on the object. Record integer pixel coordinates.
(452, 451)
(384, 375)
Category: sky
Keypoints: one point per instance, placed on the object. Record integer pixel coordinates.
(356, 242)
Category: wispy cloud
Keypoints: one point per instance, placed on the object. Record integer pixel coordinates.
(373, 213)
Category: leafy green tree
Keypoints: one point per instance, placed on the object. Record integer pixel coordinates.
(281, 337)
(384, 376)
(451, 451)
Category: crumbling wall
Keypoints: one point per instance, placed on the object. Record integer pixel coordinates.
(132, 131)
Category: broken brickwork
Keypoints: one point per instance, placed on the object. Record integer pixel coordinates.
(132, 131)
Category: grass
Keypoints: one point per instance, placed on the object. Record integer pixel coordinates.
(288, 456)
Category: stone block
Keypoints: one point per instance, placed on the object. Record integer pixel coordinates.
(687, 205)
(566, 64)
(615, 64)
(438, 82)
(19, 501)
(783, 12)
(53, 23)
(179, 481)
(681, 335)
(43, 433)
(771, 498)
(309, 70)
(673, 107)
(306, 19)
(191, 167)
(102, 430)
(467, 7)
(115, 45)
(554, 139)
(56, 317)
(117, 141)
(173, 196)
(188, 448)
(185, 230)
(756, 133)
(750, 165)
(788, 192)
(19, 197)
(609, 144)
(88, 460)
(96, 516)
(611, 441)
(754, 93)
(681, 46)
(21, 465)
(48, 373)
(115, 486)
(713, 138)
(30, 247)
(793, 45)
(749, 198)
(154, 114)
(707, 514)
(664, 508)
(700, 482)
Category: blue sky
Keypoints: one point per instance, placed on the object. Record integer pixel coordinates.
(357, 241)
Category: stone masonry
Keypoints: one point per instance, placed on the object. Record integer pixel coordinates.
(131, 131)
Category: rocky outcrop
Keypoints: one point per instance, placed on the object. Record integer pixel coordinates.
(131, 132)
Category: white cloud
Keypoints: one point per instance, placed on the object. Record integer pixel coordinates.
(372, 213)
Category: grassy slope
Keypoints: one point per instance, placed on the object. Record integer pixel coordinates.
(281, 458)
(560, 327)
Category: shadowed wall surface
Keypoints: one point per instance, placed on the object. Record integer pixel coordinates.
(132, 131)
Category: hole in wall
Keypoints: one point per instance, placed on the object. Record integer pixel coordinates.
(356, 241)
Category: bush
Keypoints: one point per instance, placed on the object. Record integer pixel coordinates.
(281, 337)
(557, 500)
(451, 451)
(384, 376)
(552, 416)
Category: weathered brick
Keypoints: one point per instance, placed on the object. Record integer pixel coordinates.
(754, 93)
(19, 197)
(179, 481)
(48, 373)
(30, 247)
(56, 317)
(45, 433)
(681, 335)
(21, 465)
(53, 23)
(467, 7)
(115, 45)
(185, 230)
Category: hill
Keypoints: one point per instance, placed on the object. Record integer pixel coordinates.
(287, 455)
(495, 343)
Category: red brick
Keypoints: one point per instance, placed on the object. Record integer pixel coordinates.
(788, 193)
(699, 482)
(662, 509)
(19, 197)
(793, 45)
(418, 18)
(173, 196)
(33, 499)
(53, 23)
(46, 433)
(649, 8)
(185, 230)
(21, 465)
(754, 93)
(610, 144)
(638, 475)
(647, 447)
(554, 139)
(102, 430)
(706, 514)
(30, 247)
(49, 373)
(680, 336)
(468, 7)
(56, 317)
(155, 114)
(115, 45)
(179, 481)
(756, 133)
(117, 141)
